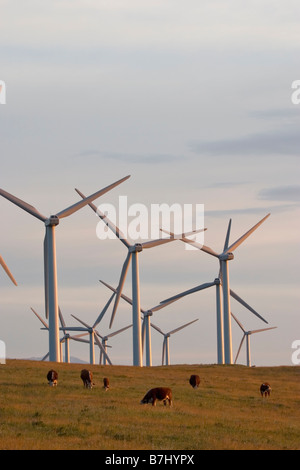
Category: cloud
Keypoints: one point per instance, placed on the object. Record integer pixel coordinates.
(131, 158)
(281, 193)
(262, 145)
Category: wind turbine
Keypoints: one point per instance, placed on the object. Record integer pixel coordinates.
(147, 314)
(104, 343)
(4, 266)
(65, 339)
(247, 335)
(166, 348)
(50, 267)
(133, 254)
(224, 257)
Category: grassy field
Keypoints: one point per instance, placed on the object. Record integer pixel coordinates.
(226, 412)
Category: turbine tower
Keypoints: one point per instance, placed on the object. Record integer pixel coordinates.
(247, 335)
(133, 254)
(147, 314)
(103, 359)
(4, 266)
(50, 267)
(166, 347)
(224, 257)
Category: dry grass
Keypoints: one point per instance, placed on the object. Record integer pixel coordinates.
(226, 412)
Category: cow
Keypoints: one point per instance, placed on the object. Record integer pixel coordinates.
(265, 389)
(106, 383)
(52, 378)
(194, 381)
(87, 378)
(160, 393)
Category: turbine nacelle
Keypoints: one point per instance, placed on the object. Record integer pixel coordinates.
(226, 257)
(137, 248)
(53, 221)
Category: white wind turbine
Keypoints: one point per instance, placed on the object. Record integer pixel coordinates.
(247, 335)
(224, 257)
(166, 347)
(146, 330)
(50, 268)
(4, 266)
(133, 252)
(103, 359)
(65, 339)
(219, 312)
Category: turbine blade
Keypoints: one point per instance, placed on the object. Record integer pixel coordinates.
(103, 311)
(5, 267)
(181, 327)
(61, 318)
(157, 329)
(80, 321)
(75, 207)
(102, 349)
(263, 329)
(242, 302)
(245, 236)
(41, 320)
(128, 299)
(163, 352)
(118, 331)
(45, 357)
(159, 241)
(23, 205)
(120, 286)
(107, 222)
(238, 322)
(227, 236)
(190, 291)
(241, 344)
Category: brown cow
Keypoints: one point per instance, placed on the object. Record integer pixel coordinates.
(87, 378)
(265, 389)
(194, 381)
(159, 393)
(106, 383)
(52, 378)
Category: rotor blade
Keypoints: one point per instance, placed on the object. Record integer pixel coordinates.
(45, 357)
(245, 236)
(37, 315)
(159, 241)
(241, 344)
(80, 321)
(103, 311)
(61, 318)
(118, 331)
(157, 329)
(227, 236)
(120, 286)
(242, 302)
(4, 266)
(23, 205)
(162, 305)
(180, 236)
(102, 349)
(107, 222)
(239, 323)
(128, 300)
(263, 329)
(79, 340)
(181, 327)
(75, 207)
(190, 291)
(46, 276)
(164, 351)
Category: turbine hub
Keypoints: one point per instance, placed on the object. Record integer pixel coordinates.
(227, 257)
(52, 221)
(137, 248)
(149, 313)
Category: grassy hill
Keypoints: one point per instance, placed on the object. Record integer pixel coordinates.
(226, 412)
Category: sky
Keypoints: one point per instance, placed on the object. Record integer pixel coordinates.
(194, 101)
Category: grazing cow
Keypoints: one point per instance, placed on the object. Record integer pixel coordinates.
(194, 381)
(87, 378)
(106, 383)
(52, 378)
(159, 393)
(265, 389)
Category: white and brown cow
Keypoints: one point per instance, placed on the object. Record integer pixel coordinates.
(52, 378)
(106, 383)
(194, 381)
(265, 389)
(87, 378)
(160, 393)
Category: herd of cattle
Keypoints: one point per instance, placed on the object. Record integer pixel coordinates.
(163, 394)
